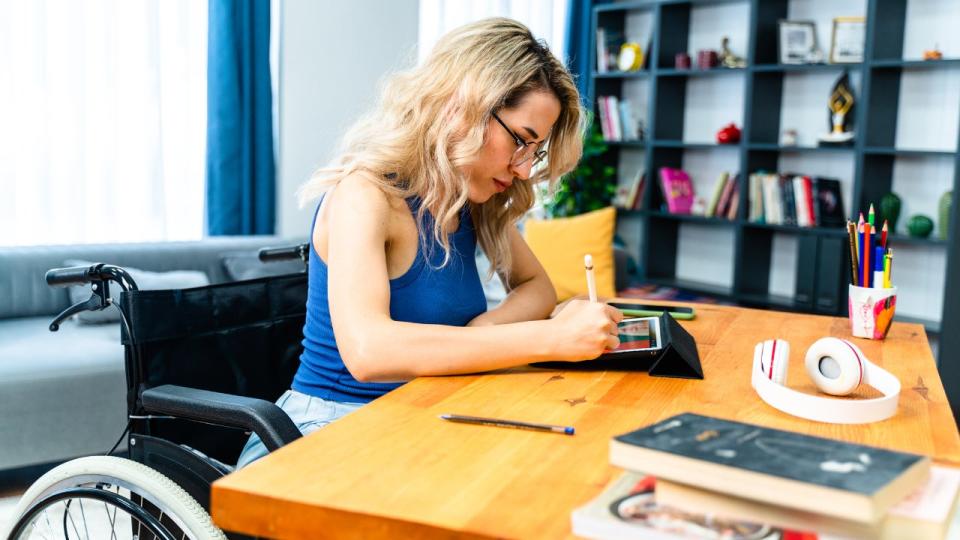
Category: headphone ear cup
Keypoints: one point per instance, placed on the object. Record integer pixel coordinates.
(781, 361)
(835, 365)
(774, 359)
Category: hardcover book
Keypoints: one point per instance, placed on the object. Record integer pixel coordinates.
(677, 190)
(825, 476)
(829, 203)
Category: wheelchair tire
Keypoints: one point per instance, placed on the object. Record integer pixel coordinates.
(114, 478)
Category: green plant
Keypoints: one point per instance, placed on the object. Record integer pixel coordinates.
(590, 186)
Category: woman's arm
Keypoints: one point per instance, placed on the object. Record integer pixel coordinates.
(376, 348)
(531, 296)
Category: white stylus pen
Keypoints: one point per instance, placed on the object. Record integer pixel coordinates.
(591, 281)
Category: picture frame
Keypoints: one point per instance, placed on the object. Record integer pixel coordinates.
(847, 40)
(798, 41)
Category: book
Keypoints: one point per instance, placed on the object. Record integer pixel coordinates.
(829, 203)
(923, 515)
(718, 189)
(677, 190)
(628, 508)
(841, 479)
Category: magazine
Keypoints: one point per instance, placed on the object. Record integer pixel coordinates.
(627, 508)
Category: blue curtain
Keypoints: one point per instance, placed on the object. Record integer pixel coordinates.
(240, 166)
(578, 46)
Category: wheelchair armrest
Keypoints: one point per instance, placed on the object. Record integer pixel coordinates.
(268, 421)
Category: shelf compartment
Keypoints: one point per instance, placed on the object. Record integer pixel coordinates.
(692, 72)
(896, 239)
(641, 144)
(693, 145)
(691, 218)
(946, 63)
(773, 147)
(880, 150)
(783, 68)
(793, 229)
(622, 74)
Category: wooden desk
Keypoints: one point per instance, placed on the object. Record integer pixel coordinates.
(394, 470)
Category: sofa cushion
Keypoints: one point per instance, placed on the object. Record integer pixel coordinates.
(561, 243)
(145, 280)
(63, 394)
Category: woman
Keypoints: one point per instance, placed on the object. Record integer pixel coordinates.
(447, 159)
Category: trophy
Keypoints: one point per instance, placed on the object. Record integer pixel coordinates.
(840, 118)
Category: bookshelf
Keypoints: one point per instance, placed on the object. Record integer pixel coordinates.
(804, 269)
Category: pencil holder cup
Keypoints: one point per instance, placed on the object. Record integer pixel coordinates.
(871, 311)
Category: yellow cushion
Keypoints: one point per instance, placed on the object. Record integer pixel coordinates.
(561, 243)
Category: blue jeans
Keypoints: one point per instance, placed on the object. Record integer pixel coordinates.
(307, 412)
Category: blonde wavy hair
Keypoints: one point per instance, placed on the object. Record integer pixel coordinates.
(431, 121)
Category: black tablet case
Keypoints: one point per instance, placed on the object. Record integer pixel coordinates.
(678, 356)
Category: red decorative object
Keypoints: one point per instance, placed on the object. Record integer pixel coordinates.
(707, 59)
(729, 134)
(681, 60)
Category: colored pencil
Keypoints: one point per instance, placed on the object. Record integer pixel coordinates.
(854, 263)
(865, 271)
(860, 267)
(883, 235)
(870, 216)
(888, 267)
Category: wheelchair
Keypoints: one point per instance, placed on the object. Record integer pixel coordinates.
(203, 369)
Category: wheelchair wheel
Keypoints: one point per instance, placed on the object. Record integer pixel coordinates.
(109, 497)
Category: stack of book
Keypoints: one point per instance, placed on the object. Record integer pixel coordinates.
(793, 199)
(617, 121)
(693, 476)
(725, 199)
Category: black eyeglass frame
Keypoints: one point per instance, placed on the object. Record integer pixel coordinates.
(537, 155)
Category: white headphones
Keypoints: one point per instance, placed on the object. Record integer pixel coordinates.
(837, 367)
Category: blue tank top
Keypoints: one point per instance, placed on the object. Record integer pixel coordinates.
(451, 295)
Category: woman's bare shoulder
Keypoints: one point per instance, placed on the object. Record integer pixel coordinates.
(359, 192)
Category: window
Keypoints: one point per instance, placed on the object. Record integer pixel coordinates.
(547, 19)
(104, 108)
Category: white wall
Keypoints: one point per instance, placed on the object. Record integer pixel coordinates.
(332, 56)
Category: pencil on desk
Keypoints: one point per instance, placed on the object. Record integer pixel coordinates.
(591, 280)
(499, 422)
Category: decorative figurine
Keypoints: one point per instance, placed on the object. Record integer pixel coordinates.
(946, 200)
(919, 226)
(889, 210)
(729, 134)
(840, 118)
(788, 137)
(933, 54)
(727, 58)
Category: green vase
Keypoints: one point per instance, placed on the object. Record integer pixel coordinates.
(919, 226)
(944, 224)
(890, 211)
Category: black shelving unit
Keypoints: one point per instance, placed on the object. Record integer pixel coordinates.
(822, 253)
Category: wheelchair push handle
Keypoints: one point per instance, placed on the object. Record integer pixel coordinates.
(286, 253)
(81, 275)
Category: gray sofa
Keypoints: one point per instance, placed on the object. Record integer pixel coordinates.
(62, 394)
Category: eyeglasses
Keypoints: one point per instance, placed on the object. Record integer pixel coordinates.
(525, 150)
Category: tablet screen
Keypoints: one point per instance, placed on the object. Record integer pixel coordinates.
(638, 334)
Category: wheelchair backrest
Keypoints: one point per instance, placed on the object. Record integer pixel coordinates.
(240, 338)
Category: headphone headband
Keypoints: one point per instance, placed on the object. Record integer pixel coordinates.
(830, 410)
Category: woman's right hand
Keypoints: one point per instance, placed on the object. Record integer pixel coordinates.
(583, 330)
